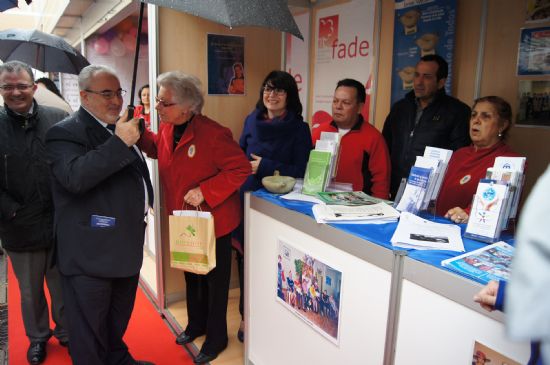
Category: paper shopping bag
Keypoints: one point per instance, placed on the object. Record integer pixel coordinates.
(192, 241)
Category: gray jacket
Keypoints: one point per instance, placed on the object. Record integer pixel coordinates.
(527, 301)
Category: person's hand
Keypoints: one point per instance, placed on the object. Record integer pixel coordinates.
(194, 197)
(457, 215)
(127, 130)
(487, 296)
(255, 163)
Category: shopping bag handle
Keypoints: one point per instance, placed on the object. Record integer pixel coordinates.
(185, 204)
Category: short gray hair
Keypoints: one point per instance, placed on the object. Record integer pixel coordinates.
(16, 67)
(186, 88)
(87, 74)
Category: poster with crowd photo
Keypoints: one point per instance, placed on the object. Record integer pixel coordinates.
(422, 27)
(343, 49)
(534, 51)
(226, 73)
(297, 57)
(310, 289)
(534, 103)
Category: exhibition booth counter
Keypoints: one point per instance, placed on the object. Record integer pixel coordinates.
(341, 293)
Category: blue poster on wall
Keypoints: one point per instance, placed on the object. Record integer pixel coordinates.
(421, 27)
(226, 73)
(534, 52)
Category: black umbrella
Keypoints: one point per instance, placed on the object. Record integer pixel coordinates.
(42, 51)
(272, 14)
(8, 4)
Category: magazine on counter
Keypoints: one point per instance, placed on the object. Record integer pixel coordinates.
(488, 263)
(349, 198)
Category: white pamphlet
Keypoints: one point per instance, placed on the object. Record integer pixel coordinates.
(422, 234)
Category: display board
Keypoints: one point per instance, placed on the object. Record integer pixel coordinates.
(435, 330)
(364, 295)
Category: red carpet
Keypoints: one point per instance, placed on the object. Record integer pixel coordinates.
(148, 337)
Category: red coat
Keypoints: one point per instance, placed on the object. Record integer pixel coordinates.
(206, 156)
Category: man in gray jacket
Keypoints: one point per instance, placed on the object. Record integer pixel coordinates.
(26, 206)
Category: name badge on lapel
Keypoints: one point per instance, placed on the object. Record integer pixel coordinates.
(100, 221)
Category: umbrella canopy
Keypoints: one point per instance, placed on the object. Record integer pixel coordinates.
(268, 14)
(8, 4)
(42, 51)
(232, 13)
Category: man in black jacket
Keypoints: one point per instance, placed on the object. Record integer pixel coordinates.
(26, 207)
(101, 191)
(427, 116)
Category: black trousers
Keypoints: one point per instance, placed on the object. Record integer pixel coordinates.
(98, 311)
(207, 300)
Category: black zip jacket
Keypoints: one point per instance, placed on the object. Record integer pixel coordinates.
(444, 123)
(26, 207)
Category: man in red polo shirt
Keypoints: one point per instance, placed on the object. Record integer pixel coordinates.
(363, 158)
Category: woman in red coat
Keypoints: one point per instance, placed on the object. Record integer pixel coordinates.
(200, 165)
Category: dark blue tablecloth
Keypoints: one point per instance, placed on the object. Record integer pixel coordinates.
(381, 234)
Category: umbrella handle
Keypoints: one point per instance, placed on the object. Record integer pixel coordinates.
(136, 56)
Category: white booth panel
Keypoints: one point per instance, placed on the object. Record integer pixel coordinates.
(277, 336)
(434, 330)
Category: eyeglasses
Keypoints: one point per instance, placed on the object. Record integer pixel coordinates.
(19, 87)
(108, 94)
(268, 90)
(164, 104)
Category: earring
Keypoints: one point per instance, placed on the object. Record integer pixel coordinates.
(500, 134)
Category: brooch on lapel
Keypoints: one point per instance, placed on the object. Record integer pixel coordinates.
(191, 151)
(465, 179)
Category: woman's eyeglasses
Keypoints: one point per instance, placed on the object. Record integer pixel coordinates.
(164, 104)
(108, 94)
(279, 92)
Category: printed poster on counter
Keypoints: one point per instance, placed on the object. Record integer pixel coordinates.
(484, 355)
(297, 57)
(226, 73)
(343, 49)
(422, 27)
(310, 289)
(534, 51)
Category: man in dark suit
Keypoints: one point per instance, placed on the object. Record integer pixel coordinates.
(101, 193)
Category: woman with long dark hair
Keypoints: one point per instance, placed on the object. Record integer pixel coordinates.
(274, 137)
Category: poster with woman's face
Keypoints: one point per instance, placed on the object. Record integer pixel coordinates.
(226, 73)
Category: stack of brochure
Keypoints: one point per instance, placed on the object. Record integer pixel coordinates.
(488, 263)
(349, 198)
(496, 199)
(378, 213)
(425, 178)
(417, 186)
(421, 234)
(321, 166)
(443, 156)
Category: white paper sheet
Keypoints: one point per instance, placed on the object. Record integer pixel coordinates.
(421, 234)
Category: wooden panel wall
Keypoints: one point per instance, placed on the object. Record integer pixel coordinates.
(182, 46)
